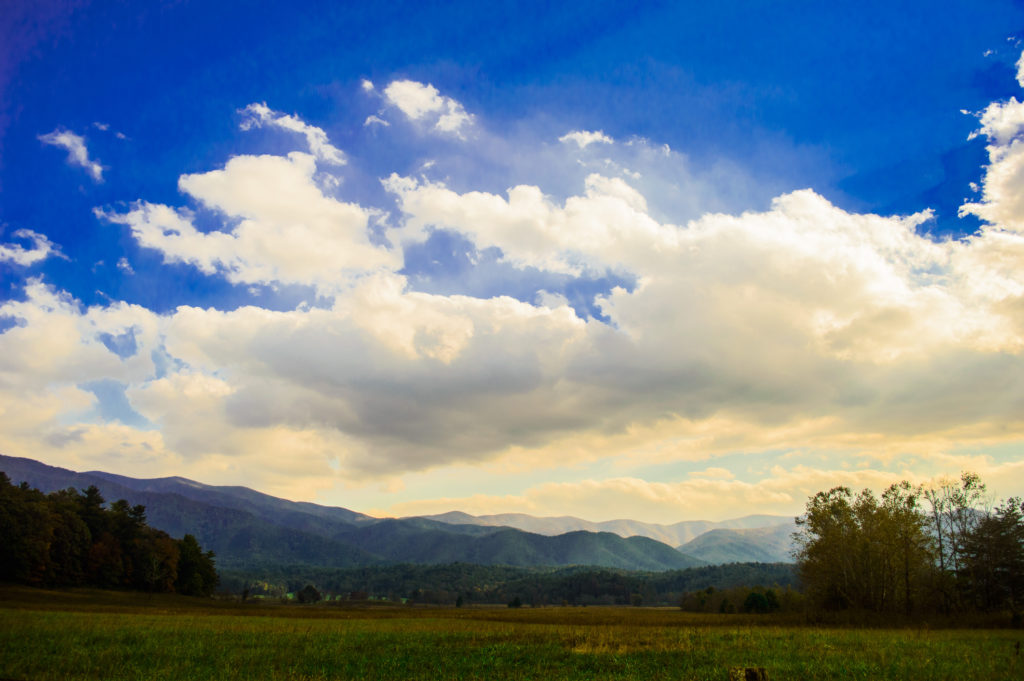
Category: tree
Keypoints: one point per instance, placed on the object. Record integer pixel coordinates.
(827, 527)
(755, 602)
(105, 562)
(862, 552)
(90, 510)
(956, 508)
(888, 555)
(993, 559)
(761, 601)
(308, 594)
(70, 540)
(906, 533)
(197, 575)
(26, 525)
(155, 559)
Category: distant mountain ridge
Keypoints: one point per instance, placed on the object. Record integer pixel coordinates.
(673, 535)
(773, 544)
(247, 528)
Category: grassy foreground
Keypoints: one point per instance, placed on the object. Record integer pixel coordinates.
(92, 635)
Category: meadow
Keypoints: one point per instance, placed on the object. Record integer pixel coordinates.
(84, 634)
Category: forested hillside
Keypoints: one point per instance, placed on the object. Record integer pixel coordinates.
(246, 529)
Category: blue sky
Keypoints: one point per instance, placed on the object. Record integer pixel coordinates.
(668, 261)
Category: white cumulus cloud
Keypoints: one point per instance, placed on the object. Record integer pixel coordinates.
(1002, 199)
(284, 229)
(425, 102)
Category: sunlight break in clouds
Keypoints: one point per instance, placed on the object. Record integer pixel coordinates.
(801, 330)
(78, 155)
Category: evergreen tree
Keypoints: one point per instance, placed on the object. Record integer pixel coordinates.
(994, 559)
(196, 573)
(69, 539)
(69, 542)
(26, 525)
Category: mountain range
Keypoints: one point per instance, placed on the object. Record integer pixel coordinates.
(248, 529)
(762, 538)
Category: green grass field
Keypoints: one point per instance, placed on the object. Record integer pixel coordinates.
(113, 636)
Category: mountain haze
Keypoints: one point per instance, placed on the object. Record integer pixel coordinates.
(674, 535)
(762, 544)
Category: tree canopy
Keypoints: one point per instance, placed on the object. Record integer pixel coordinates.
(912, 549)
(71, 538)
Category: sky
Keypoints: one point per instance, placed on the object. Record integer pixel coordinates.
(661, 261)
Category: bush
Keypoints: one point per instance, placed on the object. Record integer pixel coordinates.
(308, 594)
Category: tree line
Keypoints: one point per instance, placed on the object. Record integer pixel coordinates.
(455, 583)
(944, 549)
(743, 599)
(72, 538)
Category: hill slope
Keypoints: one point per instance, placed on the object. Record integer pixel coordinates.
(397, 541)
(246, 528)
(675, 535)
(220, 522)
(763, 545)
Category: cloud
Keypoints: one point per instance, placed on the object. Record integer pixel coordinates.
(68, 340)
(531, 230)
(584, 138)
(78, 155)
(375, 120)
(714, 473)
(778, 489)
(804, 324)
(422, 102)
(405, 378)
(741, 324)
(258, 115)
(281, 228)
(1002, 200)
(798, 328)
(41, 249)
(713, 497)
